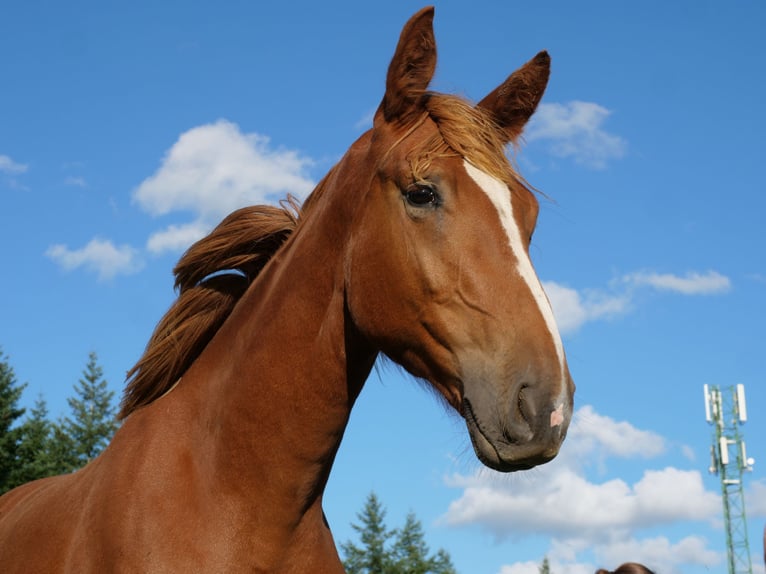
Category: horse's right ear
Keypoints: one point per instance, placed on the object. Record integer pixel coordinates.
(411, 69)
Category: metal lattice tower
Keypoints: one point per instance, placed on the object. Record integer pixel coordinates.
(726, 412)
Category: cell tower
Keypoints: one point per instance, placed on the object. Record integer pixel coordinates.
(726, 411)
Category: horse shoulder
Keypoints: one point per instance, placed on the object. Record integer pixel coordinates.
(35, 527)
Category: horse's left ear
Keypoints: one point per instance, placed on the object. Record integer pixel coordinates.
(515, 100)
(410, 70)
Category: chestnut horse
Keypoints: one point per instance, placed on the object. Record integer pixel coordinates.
(415, 245)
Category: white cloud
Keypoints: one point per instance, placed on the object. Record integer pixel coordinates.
(593, 433)
(755, 498)
(212, 170)
(565, 504)
(7, 165)
(176, 237)
(555, 566)
(521, 568)
(100, 256)
(688, 453)
(574, 308)
(208, 172)
(660, 554)
(76, 181)
(670, 495)
(574, 130)
(561, 503)
(692, 283)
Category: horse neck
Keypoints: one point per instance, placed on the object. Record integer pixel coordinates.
(283, 372)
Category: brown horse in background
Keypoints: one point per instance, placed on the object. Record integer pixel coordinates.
(414, 245)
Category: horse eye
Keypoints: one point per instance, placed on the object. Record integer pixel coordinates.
(421, 196)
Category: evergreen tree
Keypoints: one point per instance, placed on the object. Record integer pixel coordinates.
(372, 557)
(410, 552)
(32, 460)
(545, 567)
(61, 450)
(45, 449)
(407, 554)
(10, 412)
(93, 419)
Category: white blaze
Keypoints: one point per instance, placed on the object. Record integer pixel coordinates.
(500, 196)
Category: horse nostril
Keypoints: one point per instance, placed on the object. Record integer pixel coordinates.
(520, 403)
(527, 404)
(519, 426)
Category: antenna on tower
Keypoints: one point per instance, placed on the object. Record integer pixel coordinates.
(741, 407)
(726, 411)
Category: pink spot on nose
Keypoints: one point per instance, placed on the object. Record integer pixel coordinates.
(557, 416)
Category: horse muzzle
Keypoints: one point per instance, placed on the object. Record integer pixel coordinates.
(524, 433)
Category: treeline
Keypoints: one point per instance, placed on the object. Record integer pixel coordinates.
(33, 446)
(381, 550)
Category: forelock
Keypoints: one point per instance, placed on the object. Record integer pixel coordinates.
(470, 132)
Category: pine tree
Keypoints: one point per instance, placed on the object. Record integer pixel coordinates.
(45, 448)
(410, 551)
(35, 433)
(407, 554)
(10, 412)
(93, 419)
(545, 567)
(61, 450)
(372, 557)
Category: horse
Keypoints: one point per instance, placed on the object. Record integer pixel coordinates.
(414, 246)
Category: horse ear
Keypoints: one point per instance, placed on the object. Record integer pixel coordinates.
(411, 69)
(515, 100)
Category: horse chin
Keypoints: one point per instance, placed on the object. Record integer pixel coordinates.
(502, 455)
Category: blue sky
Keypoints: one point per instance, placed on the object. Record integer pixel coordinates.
(120, 124)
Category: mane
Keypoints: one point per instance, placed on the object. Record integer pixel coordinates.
(210, 278)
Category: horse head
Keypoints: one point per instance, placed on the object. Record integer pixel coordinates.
(437, 273)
